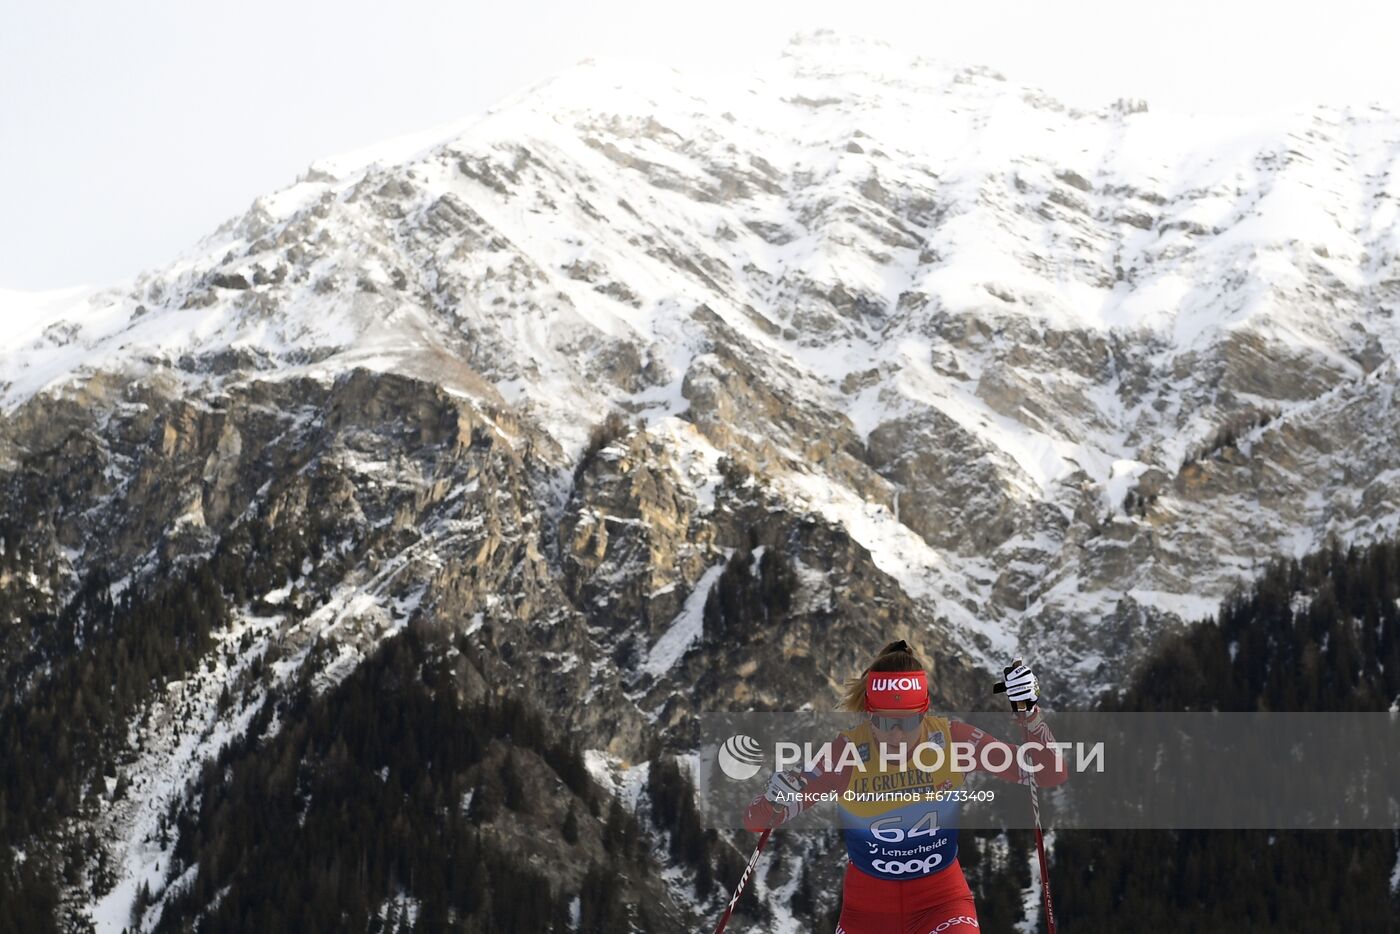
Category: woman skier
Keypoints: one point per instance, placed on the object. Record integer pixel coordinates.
(903, 876)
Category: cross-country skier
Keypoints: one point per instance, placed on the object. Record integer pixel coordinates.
(903, 875)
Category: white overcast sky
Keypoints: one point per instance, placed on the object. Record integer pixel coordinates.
(130, 129)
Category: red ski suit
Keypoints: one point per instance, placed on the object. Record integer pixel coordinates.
(903, 875)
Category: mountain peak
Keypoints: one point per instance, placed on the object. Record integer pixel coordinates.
(1081, 301)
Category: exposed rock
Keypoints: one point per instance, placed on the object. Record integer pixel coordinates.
(972, 405)
(952, 489)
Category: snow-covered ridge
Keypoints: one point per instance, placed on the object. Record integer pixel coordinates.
(1019, 314)
(1184, 227)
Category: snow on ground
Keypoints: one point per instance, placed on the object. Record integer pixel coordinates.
(923, 572)
(1029, 922)
(850, 136)
(392, 151)
(1238, 229)
(25, 315)
(615, 777)
(400, 909)
(184, 729)
(1123, 476)
(1395, 873)
(1031, 896)
(686, 629)
(778, 897)
(697, 459)
(1187, 607)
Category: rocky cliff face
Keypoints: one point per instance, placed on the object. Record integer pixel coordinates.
(890, 349)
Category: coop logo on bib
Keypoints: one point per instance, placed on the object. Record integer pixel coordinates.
(897, 867)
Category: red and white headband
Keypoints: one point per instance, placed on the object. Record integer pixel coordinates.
(896, 690)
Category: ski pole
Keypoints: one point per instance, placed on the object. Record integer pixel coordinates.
(1040, 850)
(1021, 707)
(743, 880)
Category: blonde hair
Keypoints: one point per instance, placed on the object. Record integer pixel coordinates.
(896, 656)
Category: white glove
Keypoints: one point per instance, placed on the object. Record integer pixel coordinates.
(784, 789)
(1021, 685)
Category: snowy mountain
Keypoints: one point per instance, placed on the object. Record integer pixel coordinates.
(921, 350)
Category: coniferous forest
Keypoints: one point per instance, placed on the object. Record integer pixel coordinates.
(398, 800)
(422, 433)
(1318, 634)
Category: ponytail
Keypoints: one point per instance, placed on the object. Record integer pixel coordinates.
(896, 656)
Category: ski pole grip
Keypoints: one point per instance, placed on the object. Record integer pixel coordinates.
(1000, 686)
